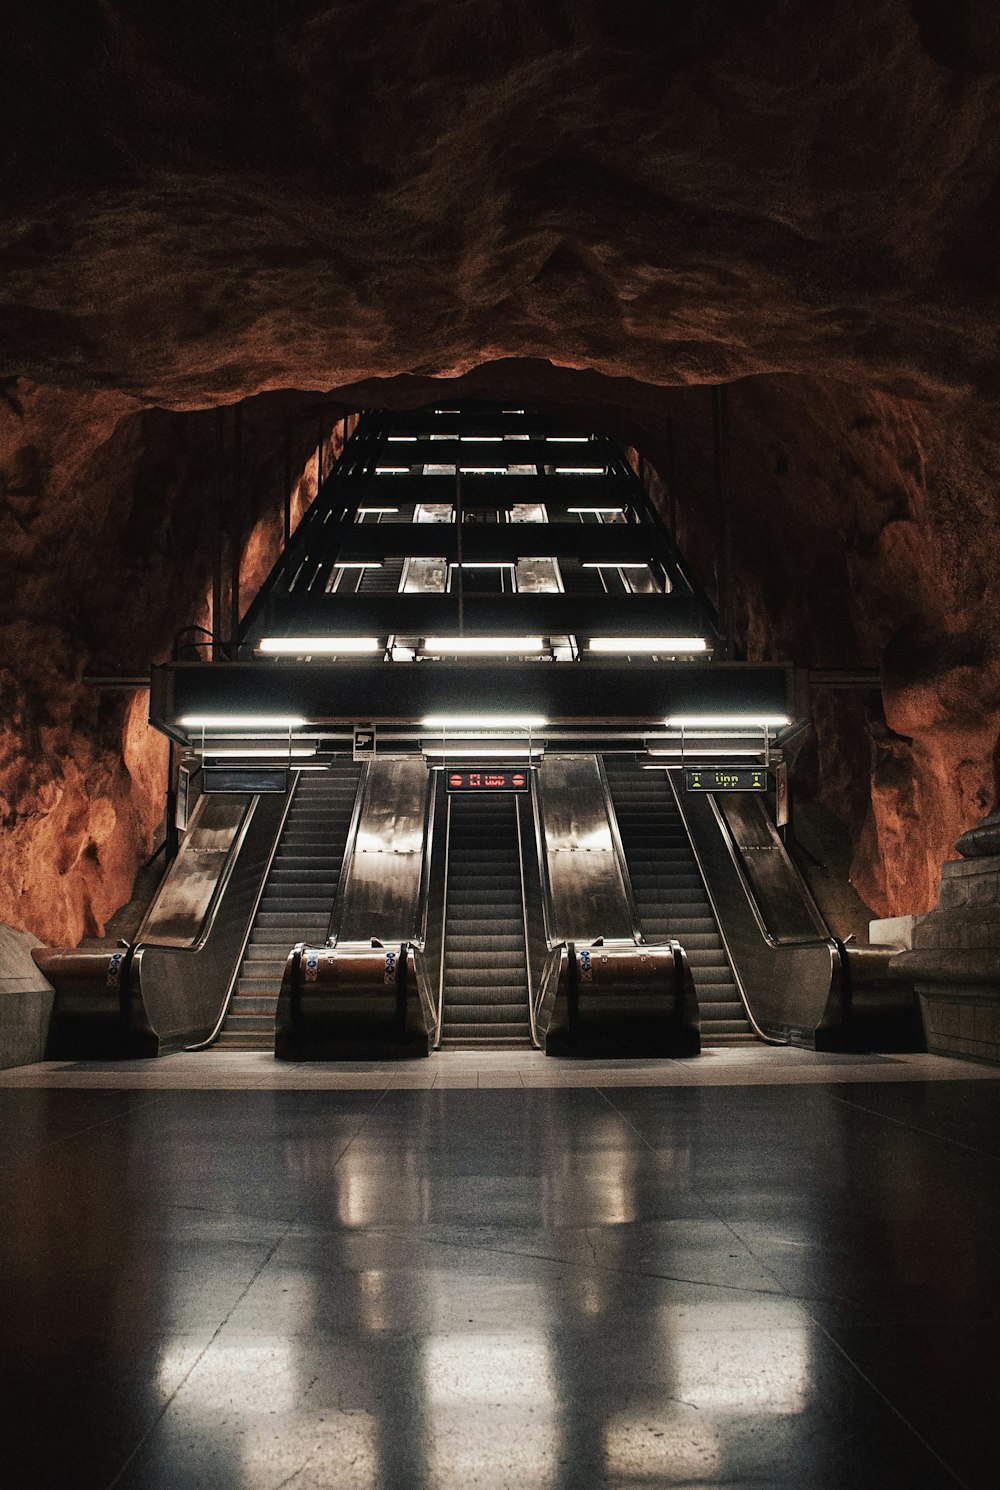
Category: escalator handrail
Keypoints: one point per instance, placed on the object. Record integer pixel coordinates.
(543, 865)
(337, 909)
(719, 921)
(418, 939)
(619, 848)
(524, 922)
(550, 969)
(202, 1044)
(444, 924)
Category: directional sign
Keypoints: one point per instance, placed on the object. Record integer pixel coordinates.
(726, 779)
(492, 780)
(364, 742)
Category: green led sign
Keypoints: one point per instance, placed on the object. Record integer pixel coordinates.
(726, 779)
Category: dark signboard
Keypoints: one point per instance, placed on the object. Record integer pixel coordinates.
(726, 779)
(244, 779)
(488, 779)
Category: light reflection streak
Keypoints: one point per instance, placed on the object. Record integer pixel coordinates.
(490, 1408)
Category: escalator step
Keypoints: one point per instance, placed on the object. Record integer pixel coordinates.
(246, 1006)
(296, 903)
(670, 895)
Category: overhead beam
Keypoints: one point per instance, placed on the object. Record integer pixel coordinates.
(497, 615)
(574, 693)
(503, 542)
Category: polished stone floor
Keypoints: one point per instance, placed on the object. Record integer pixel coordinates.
(623, 1283)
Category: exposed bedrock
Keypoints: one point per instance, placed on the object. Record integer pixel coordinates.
(592, 204)
(107, 519)
(202, 201)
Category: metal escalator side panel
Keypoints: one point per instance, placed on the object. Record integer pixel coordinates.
(179, 912)
(383, 874)
(586, 881)
(790, 990)
(178, 993)
(251, 920)
(782, 899)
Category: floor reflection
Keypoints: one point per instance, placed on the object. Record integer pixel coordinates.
(540, 1292)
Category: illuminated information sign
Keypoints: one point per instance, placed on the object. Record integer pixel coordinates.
(493, 779)
(726, 779)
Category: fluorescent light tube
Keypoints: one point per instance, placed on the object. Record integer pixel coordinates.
(484, 721)
(455, 646)
(242, 721)
(318, 645)
(459, 752)
(610, 564)
(652, 644)
(270, 752)
(727, 721)
(696, 753)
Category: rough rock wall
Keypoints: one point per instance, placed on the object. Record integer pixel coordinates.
(106, 531)
(202, 201)
(867, 534)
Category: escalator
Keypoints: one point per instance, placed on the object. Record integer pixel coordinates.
(484, 967)
(670, 896)
(297, 901)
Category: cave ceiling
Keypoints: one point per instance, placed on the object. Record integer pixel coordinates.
(198, 203)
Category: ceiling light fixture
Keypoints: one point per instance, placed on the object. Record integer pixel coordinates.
(692, 753)
(285, 646)
(727, 721)
(650, 644)
(223, 722)
(454, 646)
(458, 752)
(484, 721)
(269, 752)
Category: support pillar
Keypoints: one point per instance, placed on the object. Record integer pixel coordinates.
(954, 955)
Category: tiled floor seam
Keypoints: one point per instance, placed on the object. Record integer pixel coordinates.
(817, 1325)
(969, 1148)
(283, 1235)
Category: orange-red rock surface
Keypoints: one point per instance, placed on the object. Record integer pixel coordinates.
(203, 203)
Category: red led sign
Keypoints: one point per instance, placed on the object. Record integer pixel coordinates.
(490, 779)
